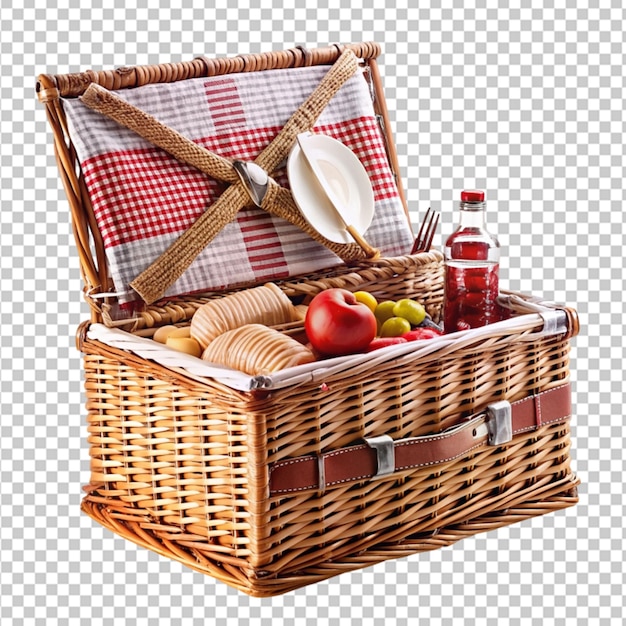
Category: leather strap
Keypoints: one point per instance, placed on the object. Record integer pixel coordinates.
(361, 462)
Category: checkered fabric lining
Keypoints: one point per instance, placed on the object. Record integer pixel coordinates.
(144, 199)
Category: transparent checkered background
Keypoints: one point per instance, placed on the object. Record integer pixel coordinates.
(527, 103)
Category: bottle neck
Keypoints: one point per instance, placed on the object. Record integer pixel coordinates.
(472, 214)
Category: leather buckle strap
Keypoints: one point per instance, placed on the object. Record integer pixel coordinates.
(496, 425)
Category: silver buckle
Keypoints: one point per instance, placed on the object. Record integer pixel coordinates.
(385, 454)
(321, 469)
(499, 425)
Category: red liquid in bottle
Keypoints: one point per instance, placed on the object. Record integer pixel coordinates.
(472, 269)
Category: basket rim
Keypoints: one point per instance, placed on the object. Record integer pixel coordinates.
(73, 84)
(534, 319)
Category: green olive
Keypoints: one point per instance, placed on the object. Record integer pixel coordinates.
(410, 310)
(384, 310)
(395, 327)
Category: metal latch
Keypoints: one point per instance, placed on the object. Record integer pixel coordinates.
(385, 454)
(554, 322)
(499, 425)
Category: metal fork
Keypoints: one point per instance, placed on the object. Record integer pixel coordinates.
(426, 232)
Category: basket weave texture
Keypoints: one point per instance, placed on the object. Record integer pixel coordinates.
(182, 464)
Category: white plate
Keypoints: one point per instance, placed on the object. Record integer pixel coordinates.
(349, 181)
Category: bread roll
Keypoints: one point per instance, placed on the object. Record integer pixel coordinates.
(162, 334)
(266, 305)
(184, 344)
(256, 349)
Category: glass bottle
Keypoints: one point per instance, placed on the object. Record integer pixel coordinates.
(472, 263)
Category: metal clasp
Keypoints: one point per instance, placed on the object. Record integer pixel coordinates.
(499, 425)
(554, 322)
(385, 454)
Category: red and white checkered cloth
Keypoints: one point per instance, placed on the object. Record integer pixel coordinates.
(144, 199)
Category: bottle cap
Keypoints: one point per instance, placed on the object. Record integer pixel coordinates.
(472, 195)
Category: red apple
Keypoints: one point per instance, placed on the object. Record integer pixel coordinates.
(336, 323)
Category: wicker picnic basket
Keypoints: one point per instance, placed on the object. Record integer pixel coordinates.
(272, 483)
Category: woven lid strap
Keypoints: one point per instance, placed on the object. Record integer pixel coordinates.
(307, 113)
(115, 108)
(154, 281)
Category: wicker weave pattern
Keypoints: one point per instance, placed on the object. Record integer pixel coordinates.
(183, 466)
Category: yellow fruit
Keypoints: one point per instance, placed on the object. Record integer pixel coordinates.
(395, 327)
(384, 311)
(367, 299)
